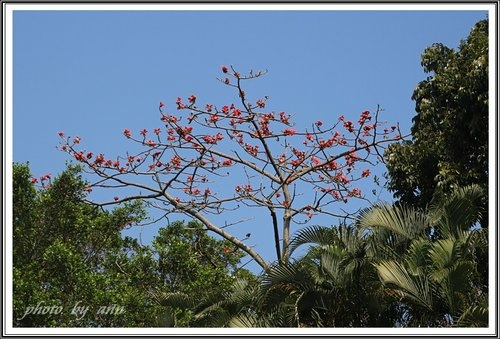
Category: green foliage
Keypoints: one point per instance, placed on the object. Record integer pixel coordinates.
(333, 285)
(68, 253)
(190, 260)
(438, 278)
(62, 248)
(192, 264)
(450, 131)
(395, 266)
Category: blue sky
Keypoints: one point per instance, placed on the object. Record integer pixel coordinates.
(94, 73)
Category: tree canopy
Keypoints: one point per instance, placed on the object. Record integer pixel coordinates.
(70, 255)
(186, 164)
(449, 146)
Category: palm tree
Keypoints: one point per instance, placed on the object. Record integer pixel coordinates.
(333, 285)
(436, 279)
(214, 310)
(396, 266)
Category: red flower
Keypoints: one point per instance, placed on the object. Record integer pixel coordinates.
(364, 116)
(61, 134)
(176, 161)
(34, 180)
(349, 126)
(116, 198)
(365, 173)
(209, 139)
(127, 133)
(289, 131)
(319, 123)
(227, 162)
(356, 192)
(79, 156)
(87, 189)
(325, 144)
(316, 161)
(179, 103)
(45, 177)
(157, 131)
(192, 98)
(144, 132)
(76, 140)
(224, 69)
(162, 104)
(283, 118)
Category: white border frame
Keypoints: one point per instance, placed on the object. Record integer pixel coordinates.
(8, 329)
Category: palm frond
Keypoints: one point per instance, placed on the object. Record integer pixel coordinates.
(319, 235)
(414, 288)
(246, 321)
(444, 253)
(459, 212)
(417, 258)
(473, 316)
(403, 221)
(175, 299)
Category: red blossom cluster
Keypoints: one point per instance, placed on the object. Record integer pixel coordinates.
(213, 139)
(289, 131)
(43, 178)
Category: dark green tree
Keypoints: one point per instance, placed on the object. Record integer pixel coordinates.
(193, 265)
(61, 248)
(70, 253)
(449, 148)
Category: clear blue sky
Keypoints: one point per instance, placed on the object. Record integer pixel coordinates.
(92, 74)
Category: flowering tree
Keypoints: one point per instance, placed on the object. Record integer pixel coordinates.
(293, 174)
